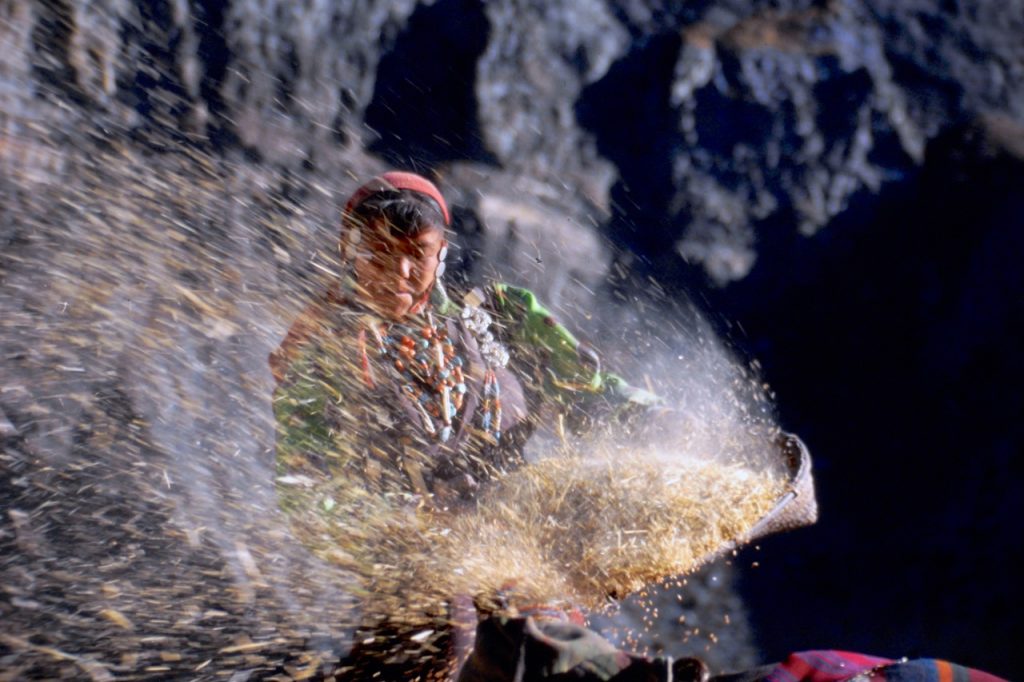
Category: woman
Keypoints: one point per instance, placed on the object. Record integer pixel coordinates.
(391, 390)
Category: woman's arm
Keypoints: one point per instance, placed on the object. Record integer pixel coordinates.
(572, 372)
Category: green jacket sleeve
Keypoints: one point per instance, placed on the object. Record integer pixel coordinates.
(573, 370)
(313, 464)
(299, 404)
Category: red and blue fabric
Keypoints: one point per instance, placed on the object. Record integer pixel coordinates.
(837, 666)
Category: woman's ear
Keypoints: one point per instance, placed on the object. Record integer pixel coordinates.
(350, 243)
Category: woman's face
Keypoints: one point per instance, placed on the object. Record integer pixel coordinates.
(393, 272)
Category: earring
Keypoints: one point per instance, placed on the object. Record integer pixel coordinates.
(441, 267)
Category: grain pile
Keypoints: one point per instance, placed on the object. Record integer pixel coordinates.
(563, 530)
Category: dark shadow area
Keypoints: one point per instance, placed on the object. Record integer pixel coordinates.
(630, 114)
(154, 87)
(655, 16)
(424, 104)
(888, 338)
(50, 38)
(214, 53)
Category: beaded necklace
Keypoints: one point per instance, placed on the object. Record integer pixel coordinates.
(433, 376)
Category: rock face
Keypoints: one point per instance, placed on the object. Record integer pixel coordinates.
(715, 122)
(804, 102)
(769, 155)
(540, 58)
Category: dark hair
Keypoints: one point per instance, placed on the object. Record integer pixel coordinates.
(405, 211)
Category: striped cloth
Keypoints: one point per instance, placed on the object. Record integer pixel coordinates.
(837, 666)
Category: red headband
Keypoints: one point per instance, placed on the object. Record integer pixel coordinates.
(397, 180)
